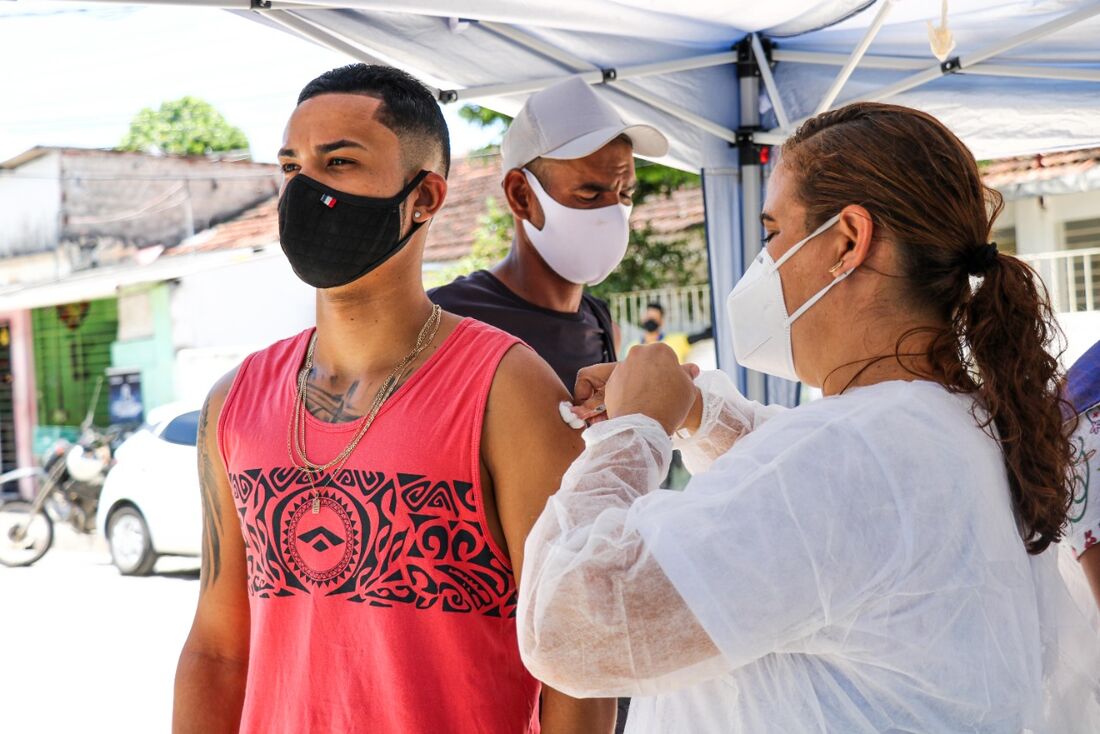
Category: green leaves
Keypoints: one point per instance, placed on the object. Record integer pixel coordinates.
(655, 261)
(185, 126)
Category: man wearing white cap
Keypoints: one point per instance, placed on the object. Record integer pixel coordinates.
(568, 177)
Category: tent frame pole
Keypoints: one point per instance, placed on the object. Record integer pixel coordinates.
(595, 76)
(769, 81)
(304, 28)
(1024, 71)
(853, 60)
(259, 5)
(578, 64)
(958, 63)
(869, 61)
(753, 384)
(1033, 72)
(971, 63)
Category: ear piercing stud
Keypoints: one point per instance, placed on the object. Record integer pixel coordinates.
(416, 215)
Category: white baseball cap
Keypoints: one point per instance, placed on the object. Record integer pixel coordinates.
(569, 120)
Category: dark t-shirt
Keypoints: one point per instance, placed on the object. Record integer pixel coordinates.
(568, 341)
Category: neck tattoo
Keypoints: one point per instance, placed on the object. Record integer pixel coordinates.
(296, 432)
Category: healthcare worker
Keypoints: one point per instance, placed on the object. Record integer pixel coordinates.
(873, 561)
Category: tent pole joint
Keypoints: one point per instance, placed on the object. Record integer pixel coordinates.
(448, 96)
(609, 75)
(746, 59)
(951, 65)
(749, 152)
(261, 5)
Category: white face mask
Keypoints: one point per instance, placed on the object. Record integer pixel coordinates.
(758, 315)
(581, 245)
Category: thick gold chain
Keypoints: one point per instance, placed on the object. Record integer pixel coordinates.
(296, 434)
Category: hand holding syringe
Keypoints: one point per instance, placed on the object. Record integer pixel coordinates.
(589, 404)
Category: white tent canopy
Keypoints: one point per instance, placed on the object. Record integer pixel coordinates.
(1023, 76)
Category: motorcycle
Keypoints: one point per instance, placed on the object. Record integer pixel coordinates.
(70, 480)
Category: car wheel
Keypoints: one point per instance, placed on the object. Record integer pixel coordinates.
(131, 545)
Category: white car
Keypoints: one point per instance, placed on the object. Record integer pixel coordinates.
(150, 505)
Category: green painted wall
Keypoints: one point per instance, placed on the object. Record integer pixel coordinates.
(72, 351)
(153, 355)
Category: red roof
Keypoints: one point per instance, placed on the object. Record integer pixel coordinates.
(1039, 167)
(471, 183)
(255, 227)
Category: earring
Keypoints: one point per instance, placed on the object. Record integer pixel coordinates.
(833, 270)
(416, 215)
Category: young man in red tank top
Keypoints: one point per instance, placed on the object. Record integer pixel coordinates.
(368, 486)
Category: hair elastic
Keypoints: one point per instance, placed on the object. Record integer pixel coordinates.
(980, 258)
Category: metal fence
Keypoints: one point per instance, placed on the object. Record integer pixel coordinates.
(687, 309)
(1071, 276)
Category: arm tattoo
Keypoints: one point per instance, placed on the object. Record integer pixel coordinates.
(331, 407)
(212, 525)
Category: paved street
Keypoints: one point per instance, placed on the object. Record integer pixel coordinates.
(87, 650)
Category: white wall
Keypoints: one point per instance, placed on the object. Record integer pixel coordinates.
(103, 190)
(1039, 221)
(221, 316)
(1082, 331)
(37, 268)
(30, 206)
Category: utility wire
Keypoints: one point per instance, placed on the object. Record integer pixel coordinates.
(156, 205)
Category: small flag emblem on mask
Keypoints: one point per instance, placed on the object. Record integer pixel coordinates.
(329, 201)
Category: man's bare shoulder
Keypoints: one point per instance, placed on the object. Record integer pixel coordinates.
(215, 399)
(522, 416)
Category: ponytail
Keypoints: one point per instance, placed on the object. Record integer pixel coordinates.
(924, 192)
(1008, 330)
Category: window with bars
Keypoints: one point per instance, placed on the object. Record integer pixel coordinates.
(8, 459)
(1005, 237)
(1081, 234)
(1082, 237)
(72, 351)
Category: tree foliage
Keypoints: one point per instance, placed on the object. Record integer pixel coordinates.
(492, 240)
(651, 261)
(655, 262)
(185, 126)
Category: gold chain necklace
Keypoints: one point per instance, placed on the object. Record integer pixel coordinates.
(296, 433)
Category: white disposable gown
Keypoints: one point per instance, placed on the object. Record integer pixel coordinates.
(852, 565)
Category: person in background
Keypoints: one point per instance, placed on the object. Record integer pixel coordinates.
(568, 160)
(654, 328)
(1083, 395)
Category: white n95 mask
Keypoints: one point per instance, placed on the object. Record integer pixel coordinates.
(758, 315)
(581, 245)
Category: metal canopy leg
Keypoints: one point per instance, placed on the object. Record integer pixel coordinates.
(750, 69)
(722, 204)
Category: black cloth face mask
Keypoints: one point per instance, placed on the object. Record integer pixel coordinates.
(332, 238)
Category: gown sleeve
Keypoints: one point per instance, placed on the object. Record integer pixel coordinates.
(727, 416)
(632, 590)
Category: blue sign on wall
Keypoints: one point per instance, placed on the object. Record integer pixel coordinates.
(124, 404)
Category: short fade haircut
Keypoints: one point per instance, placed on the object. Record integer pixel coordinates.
(408, 108)
(655, 306)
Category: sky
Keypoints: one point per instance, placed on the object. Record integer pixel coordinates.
(75, 74)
